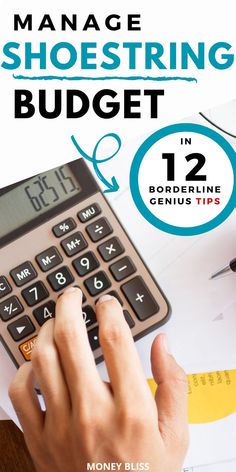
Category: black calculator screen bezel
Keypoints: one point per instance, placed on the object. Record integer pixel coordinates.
(88, 186)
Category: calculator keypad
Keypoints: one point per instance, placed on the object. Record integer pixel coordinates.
(49, 259)
(10, 308)
(74, 244)
(75, 260)
(21, 328)
(111, 249)
(99, 229)
(23, 274)
(60, 278)
(35, 293)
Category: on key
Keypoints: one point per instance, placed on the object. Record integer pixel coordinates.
(140, 298)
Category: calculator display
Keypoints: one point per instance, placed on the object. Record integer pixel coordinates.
(35, 197)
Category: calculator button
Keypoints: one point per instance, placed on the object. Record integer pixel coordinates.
(45, 312)
(111, 249)
(49, 259)
(35, 293)
(89, 212)
(99, 229)
(94, 339)
(10, 308)
(23, 274)
(140, 298)
(129, 319)
(97, 283)
(60, 278)
(74, 244)
(5, 287)
(85, 263)
(64, 227)
(123, 268)
(27, 347)
(89, 316)
(21, 328)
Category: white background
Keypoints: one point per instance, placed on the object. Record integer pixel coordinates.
(32, 145)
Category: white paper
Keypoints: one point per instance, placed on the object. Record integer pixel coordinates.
(3, 415)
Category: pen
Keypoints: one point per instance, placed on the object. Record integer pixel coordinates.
(228, 268)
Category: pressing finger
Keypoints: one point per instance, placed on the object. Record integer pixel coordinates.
(122, 361)
(72, 342)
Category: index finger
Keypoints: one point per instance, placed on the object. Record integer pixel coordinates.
(121, 357)
(72, 342)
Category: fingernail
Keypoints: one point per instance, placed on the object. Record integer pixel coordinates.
(72, 290)
(165, 343)
(104, 298)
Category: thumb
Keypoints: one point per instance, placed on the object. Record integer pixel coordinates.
(171, 395)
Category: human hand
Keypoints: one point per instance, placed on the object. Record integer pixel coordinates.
(88, 421)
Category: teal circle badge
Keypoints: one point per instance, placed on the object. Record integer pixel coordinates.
(168, 158)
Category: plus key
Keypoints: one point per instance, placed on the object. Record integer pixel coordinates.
(140, 298)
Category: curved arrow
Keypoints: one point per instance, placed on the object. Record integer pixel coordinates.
(112, 186)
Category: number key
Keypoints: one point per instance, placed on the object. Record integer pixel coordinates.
(45, 312)
(97, 283)
(35, 293)
(85, 263)
(89, 316)
(60, 278)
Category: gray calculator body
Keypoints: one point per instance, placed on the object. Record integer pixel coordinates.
(58, 230)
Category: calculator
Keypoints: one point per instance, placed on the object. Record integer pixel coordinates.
(57, 229)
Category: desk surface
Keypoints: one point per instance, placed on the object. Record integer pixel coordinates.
(13, 452)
